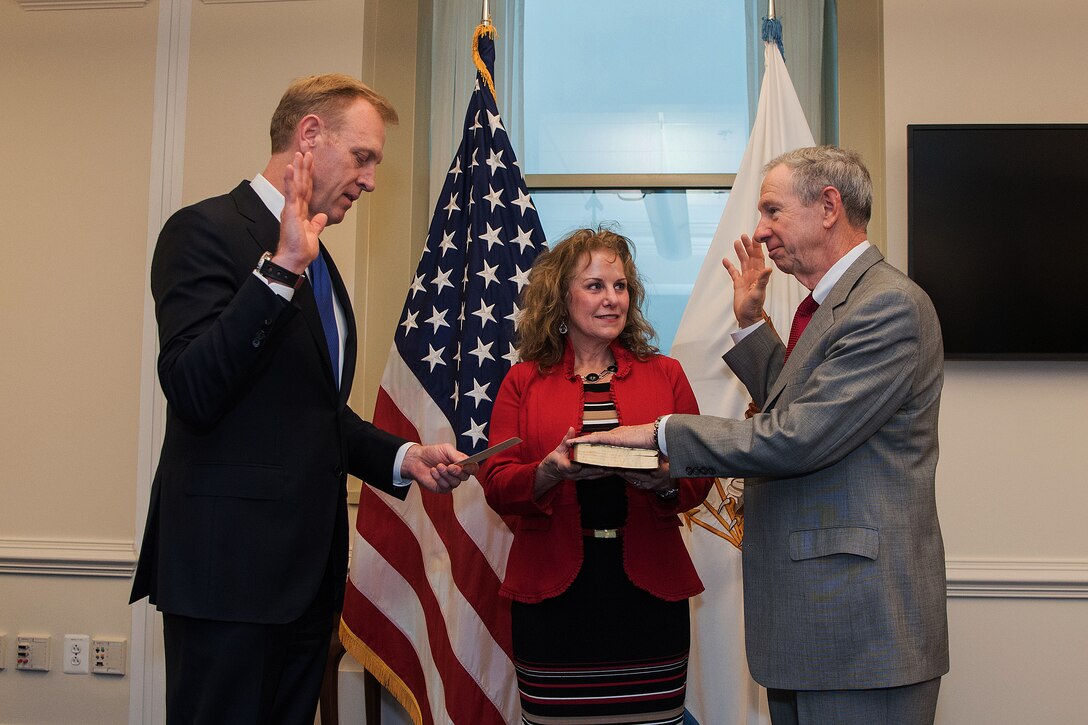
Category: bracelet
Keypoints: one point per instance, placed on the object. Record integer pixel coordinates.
(657, 425)
(669, 493)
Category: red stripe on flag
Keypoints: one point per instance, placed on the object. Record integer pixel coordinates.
(465, 702)
(388, 417)
(472, 573)
(369, 624)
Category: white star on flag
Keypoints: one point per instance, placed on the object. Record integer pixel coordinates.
(475, 431)
(494, 160)
(409, 321)
(484, 313)
(478, 392)
(434, 357)
(524, 239)
(442, 279)
(495, 197)
(520, 278)
(483, 351)
(438, 319)
(523, 202)
(488, 275)
(491, 236)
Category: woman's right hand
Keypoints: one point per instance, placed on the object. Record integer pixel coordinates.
(557, 466)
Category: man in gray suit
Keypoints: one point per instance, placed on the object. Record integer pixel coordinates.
(844, 579)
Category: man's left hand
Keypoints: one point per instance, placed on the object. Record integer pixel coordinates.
(434, 467)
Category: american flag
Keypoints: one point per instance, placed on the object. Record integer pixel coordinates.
(422, 610)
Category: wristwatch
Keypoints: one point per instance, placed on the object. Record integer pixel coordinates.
(275, 273)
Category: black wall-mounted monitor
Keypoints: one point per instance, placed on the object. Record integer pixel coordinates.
(997, 235)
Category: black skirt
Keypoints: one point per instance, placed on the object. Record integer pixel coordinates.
(603, 648)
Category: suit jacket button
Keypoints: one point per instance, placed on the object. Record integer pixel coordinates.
(256, 342)
(339, 472)
(690, 471)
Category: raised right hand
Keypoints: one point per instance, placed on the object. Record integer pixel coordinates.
(298, 243)
(749, 282)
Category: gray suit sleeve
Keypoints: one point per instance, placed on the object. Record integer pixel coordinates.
(859, 374)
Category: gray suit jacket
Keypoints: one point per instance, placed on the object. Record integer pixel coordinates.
(844, 579)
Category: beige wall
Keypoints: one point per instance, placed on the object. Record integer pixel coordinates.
(1013, 455)
(95, 143)
(78, 92)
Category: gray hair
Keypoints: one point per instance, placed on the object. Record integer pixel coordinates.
(816, 167)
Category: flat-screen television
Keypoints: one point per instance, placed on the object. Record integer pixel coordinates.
(997, 235)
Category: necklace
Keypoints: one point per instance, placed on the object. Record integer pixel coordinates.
(594, 377)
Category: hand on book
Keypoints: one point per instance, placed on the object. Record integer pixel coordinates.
(635, 436)
(557, 466)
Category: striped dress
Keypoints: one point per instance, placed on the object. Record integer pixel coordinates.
(603, 651)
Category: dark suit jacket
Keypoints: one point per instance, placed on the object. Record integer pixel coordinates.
(248, 506)
(844, 578)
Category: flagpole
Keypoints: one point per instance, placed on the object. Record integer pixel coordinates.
(770, 8)
(487, 12)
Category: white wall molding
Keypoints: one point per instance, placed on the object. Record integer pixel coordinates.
(228, 2)
(80, 4)
(67, 558)
(1017, 579)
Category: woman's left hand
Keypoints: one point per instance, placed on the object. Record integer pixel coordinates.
(655, 480)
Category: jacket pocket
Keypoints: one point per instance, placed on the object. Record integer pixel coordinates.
(236, 480)
(814, 543)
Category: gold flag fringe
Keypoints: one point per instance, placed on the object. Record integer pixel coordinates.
(489, 30)
(377, 667)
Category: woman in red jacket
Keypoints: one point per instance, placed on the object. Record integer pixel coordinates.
(598, 571)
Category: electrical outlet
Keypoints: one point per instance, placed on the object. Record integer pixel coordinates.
(77, 654)
(32, 653)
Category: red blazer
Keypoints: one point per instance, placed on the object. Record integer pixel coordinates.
(546, 553)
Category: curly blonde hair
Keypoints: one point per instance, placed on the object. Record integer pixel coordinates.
(544, 302)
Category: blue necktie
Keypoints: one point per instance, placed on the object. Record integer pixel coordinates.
(322, 284)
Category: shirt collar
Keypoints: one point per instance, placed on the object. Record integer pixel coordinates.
(838, 269)
(269, 194)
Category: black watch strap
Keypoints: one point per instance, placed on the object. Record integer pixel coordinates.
(275, 273)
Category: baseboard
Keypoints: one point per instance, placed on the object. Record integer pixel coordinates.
(67, 558)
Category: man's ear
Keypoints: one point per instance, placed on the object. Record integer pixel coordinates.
(309, 129)
(831, 201)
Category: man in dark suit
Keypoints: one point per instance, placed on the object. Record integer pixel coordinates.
(844, 579)
(245, 550)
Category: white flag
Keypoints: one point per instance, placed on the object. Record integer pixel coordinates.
(720, 690)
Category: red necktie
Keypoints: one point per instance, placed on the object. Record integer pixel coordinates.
(800, 321)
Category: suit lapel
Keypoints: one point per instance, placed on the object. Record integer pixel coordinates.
(265, 230)
(263, 225)
(822, 320)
